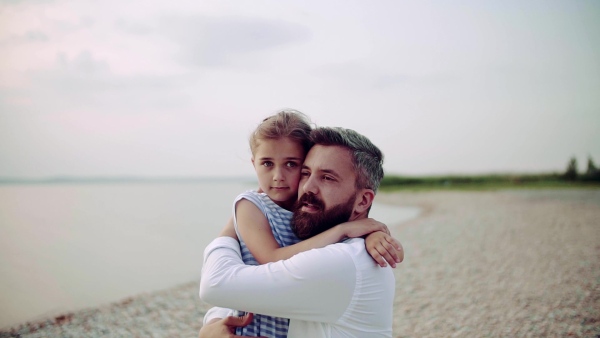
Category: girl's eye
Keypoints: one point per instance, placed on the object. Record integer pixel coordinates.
(267, 164)
(291, 164)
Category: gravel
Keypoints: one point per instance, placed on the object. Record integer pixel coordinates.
(176, 312)
(499, 264)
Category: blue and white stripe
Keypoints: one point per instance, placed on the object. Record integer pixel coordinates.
(279, 220)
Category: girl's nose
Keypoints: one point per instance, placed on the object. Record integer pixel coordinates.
(278, 175)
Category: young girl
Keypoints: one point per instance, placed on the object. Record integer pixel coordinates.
(262, 218)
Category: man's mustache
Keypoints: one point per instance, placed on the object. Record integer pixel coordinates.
(309, 198)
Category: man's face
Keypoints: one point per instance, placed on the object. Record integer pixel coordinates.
(327, 191)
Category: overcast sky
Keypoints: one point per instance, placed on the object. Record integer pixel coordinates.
(170, 88)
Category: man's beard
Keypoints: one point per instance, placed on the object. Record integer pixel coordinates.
(306, 225)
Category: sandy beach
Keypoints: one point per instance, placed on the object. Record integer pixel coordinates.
(523, 263)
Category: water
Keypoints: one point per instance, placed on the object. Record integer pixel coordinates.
(70, 246)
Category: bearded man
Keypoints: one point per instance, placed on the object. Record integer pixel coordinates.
(336, 291)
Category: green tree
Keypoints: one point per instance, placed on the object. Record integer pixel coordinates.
(571, 172)
(591, 167)
(592, 173)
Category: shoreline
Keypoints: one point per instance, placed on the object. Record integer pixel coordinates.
(491, 263)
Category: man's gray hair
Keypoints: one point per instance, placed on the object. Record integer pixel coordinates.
(367, 159)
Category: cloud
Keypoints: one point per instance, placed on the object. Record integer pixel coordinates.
(82, 64)
(85, 83)
(36, 36)
(19, 2)
(365, 75)
(133, 28)
(31, 36)
(36, 28)
(206, 41)
(69, 26)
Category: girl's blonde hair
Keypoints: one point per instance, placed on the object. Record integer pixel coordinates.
(286, 123)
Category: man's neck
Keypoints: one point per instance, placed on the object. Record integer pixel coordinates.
(356, 216)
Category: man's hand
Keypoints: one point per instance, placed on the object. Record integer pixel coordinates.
(225, 327)
(229, 230)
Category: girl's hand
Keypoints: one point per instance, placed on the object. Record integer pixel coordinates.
(383, 247)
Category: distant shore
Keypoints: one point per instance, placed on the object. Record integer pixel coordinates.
(490, 263)
(492, 182)
(121, 179)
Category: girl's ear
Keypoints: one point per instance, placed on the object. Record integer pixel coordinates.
(364, 200)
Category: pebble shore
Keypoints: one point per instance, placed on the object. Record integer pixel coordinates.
(522, 263)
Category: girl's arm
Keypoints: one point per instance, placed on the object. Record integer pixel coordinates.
(254, 228)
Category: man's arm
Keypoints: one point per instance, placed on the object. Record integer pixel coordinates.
(224, 327)
(217, 313)
(315, 285)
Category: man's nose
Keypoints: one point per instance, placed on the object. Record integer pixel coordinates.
(310, 186)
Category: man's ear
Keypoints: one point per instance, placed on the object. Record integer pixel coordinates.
(364, 200)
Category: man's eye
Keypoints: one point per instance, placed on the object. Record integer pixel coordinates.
(305, 173)
(328, 178)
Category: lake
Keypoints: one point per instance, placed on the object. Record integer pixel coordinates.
(70, 246)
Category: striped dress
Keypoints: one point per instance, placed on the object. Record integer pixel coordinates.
(279, 219)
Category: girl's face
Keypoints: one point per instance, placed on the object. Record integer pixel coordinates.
(277, 164)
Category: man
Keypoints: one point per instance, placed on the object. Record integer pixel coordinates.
(336, 291)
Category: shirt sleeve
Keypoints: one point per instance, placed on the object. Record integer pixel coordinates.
(316, 285)
(217, 312)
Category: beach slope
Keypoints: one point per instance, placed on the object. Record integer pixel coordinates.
(478, 264)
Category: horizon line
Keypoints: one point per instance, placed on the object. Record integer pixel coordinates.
(142, 178)
(121, 178)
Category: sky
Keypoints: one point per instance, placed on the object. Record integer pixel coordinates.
(174, 88)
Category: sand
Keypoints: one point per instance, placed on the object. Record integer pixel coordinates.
(520, 263)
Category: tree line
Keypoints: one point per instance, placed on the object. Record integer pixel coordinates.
(570, 177)
(572, 173)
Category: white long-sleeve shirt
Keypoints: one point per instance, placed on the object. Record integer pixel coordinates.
(336, 291)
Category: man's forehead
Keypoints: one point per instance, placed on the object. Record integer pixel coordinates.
(323, 157)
